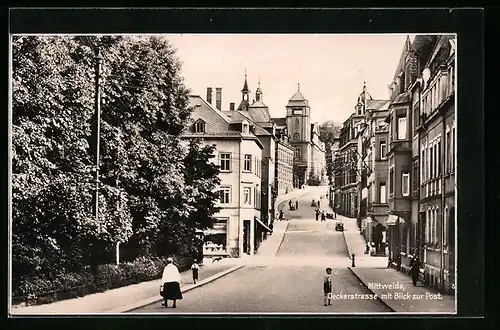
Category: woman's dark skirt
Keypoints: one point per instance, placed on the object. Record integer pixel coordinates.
(172, 291)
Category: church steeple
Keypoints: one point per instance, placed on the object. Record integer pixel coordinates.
(245, 91)
(258, 93)
(245, 103)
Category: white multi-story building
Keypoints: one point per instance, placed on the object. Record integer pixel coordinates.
(239, 155)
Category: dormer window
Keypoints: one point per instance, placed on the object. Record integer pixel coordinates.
(245, 129)
(199, 126)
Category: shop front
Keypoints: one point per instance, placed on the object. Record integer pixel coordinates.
(215, 240)
(395, 224)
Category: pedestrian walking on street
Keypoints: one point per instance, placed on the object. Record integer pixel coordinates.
(281, 217)
(415, 269)
(290, 204)
(323, 217)
(327, 286)
(319, 204)
(195, 268)
(317, 214)
(296, 205)
(171, 280)
(334, 213)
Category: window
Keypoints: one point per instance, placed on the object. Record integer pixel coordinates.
(445, 226)
(199, 127)
(245, 128)
(428, 226)
(383, 149)
(416, 118)
(405, 184)
(448, 151)
(225, 162)
(297, 152)
(248, 163)
(422, 167)
(401, 128)
(415, 181)
(438, 147)
(453, 149)
(225, 194)
(431, 163)
(247, 195)
(383, 193)
(391, 181)
(296, 136)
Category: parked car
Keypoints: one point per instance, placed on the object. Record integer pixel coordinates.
(339, 226)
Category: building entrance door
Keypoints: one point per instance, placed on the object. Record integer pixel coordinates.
(246, 236)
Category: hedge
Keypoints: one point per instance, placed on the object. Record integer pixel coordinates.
(40, 291)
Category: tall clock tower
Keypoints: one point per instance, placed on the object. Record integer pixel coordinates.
(298, 122)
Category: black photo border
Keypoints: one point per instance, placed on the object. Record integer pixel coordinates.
(469, 26)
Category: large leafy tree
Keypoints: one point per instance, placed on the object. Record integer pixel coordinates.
(149, 192)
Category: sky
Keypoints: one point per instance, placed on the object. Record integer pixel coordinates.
(330, 68)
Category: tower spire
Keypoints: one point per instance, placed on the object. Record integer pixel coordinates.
(298, 87)
(364, 86)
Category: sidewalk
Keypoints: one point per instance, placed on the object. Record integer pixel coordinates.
(396, 290)
(128, 297)
(269, 247)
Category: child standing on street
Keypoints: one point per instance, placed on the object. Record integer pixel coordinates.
(327, 286)
(195, 269)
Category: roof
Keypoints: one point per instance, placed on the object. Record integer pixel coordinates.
(259, 115)
(245, 85)
(239, 116)
(280, 121)
(401, 98)
(402, 57)
(244, 103)
(376, 104)
(297, 100)
(217, 123)
(258, 104)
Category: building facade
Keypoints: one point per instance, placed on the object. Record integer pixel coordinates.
(309, 151)
(422, 160)
(257, 113)
(373, 169)
(239, 156)
(345, 169)
(284, 164)
(436, 136)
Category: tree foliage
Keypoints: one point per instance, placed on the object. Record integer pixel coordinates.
(153, 190)
(328, 131)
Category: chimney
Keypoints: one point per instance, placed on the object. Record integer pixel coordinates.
(231, 106)
(218, 98)
(209, 95)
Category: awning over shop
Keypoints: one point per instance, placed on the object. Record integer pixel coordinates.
(393, 219)
(262, 224)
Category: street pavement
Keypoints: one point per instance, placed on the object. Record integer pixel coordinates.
(289, 280)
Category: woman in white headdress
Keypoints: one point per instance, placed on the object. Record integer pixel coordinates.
(171, 280)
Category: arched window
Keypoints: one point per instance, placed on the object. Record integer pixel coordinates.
(297, 122)
(296, 136)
